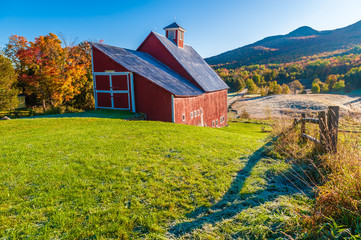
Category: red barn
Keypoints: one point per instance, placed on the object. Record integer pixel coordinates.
(164, 78)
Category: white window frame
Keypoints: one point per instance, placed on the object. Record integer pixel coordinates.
(198, 112)
(212, 123)
(195, 113)
(184, 117)
(192, 114)
(181, 35)
(216, 122)
(171, 34)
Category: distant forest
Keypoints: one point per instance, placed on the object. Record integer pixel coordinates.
(328, 72)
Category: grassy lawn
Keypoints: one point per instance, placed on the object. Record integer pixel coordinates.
(106, 178)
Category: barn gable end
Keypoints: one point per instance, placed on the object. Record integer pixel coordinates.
(165, 79)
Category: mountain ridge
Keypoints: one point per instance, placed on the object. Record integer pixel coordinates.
(303, 41)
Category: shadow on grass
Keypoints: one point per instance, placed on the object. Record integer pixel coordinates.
(103, 113)
(233, 203)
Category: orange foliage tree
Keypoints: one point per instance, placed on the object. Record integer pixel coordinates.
(54, 74)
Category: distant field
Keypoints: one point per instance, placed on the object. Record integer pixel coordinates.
(286, 105)
(76, 178)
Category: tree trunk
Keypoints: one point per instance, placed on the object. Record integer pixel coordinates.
(44, 105)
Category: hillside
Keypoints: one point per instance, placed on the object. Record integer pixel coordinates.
(99, 178)
(301, 42)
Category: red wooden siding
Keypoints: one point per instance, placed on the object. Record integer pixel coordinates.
(152, 100)
(155, 48)
(121, 100)
(102, 82)
(213, 105)
(101, 63)
(104, 100)
(120, 82)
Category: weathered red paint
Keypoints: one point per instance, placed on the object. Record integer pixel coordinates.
(155, 48)
(211, 106)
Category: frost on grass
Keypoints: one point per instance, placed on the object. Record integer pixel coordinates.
(261, 202)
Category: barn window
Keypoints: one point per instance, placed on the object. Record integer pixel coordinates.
(212, 123)
(181, 35)
(195, 113)
(223, 118)
(191, 114)
(217, 122)
(184, 117)
(201, 111)
(171, 34)
(198, 113)
(220, 120)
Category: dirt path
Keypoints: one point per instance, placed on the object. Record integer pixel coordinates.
(290, 104)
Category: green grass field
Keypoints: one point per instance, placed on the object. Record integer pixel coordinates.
(100, 178)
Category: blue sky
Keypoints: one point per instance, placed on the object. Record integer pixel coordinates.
(213, 26)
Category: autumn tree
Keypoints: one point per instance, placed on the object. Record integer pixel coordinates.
(8, 91)
(285, 89)
(264, 91)
(54, 74)
(85, 99)
(331, 80)
(296, 86)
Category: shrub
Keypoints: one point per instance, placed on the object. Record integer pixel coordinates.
(244, 114)
(336, 178)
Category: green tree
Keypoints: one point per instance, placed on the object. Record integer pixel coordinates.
(252, 87)
(339, 86)
(274, 88)
(8, 91)
(257, 79)
(324, 88)
(315, 88)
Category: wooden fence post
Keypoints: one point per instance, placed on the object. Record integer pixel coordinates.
(303, 124)
(332, 122)
(323, 129)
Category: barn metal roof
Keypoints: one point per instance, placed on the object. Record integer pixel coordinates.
(150, 68)
(173, 26)
(195, 65)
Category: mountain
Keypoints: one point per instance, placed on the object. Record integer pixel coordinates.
(304, 41)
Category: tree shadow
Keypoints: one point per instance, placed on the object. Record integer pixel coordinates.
(233, 203)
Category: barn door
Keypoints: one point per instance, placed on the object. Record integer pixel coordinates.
(113, 90)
